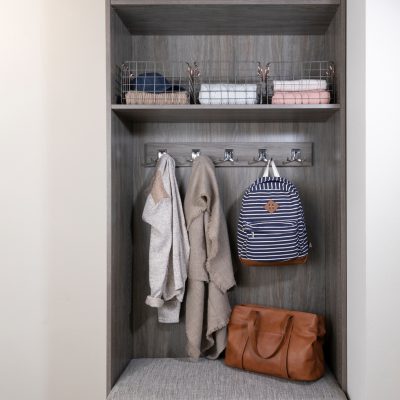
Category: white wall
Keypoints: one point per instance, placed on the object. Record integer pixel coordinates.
(23, 286)
(373, 141)
(53, 200)
(383, 194)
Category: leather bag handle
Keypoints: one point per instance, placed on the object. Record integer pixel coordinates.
(252, 328)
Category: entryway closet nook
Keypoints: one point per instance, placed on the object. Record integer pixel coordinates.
(241, 82)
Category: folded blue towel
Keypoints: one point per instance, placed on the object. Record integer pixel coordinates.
(153, 82)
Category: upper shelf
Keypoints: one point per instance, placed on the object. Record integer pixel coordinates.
(230, 17)
(226, 113)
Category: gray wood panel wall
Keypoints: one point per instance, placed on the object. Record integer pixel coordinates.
(120, 200)
(335, 192)
(294, 287)
(318, 286)
(229, 48)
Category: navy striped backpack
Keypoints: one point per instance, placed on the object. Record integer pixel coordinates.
(271, 229)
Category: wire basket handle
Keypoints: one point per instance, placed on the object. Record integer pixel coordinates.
(194, 71)
(330, 73)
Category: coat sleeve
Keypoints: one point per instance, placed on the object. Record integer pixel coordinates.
(158, 215)
(196, 289)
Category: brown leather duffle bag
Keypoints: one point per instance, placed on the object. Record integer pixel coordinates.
(274, 341)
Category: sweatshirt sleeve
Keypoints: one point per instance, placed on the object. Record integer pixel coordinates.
(157, 212)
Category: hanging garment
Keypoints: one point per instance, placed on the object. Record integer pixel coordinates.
(210, 265)
(271, 226)
(169, 243)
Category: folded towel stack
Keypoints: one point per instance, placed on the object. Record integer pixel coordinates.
(300, 85)
(223, 93)
(171, 98)
(306, 97)
(303, 91)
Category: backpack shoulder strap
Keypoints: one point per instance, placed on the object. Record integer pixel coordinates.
(275, 172)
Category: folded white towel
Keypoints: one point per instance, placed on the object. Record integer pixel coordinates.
(226, 98)
(229, 87)
(224, 93)
(301, 85)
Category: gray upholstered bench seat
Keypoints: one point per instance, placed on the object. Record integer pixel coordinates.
(182, 379)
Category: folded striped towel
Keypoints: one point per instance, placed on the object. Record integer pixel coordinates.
(223, 93)
(137, 97)
(300, 85)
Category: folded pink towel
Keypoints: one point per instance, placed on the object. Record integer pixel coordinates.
(307, 97)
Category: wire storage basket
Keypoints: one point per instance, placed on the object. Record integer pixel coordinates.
(155, 83)
(223, 82)
(309, 82)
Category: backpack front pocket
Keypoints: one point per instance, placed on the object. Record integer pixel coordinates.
(271, 241)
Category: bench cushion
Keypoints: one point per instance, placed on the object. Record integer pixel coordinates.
(183, 379)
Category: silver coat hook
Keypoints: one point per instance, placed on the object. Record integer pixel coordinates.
(228, 157)
(262, 157)
(153, 162)
(294, 157)
(161, 153)
(195, 154)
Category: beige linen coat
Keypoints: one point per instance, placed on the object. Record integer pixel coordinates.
(210, 264)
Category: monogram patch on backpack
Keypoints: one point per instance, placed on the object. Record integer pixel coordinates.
(271, 206)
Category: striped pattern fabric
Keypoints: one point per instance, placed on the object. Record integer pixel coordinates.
(137, 97)
(276, 235)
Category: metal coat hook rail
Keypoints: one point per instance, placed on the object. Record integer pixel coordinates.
(228, 154)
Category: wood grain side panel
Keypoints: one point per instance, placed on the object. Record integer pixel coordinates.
(120, 297)
(335, 194)
(120, 199)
